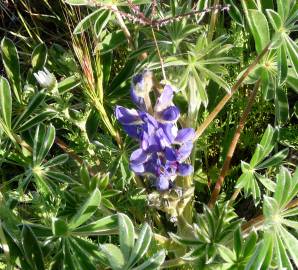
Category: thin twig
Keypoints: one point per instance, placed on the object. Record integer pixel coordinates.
(227, 97)
(233, 145)
(159, 55)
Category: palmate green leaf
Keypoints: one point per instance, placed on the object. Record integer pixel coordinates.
(36, 120)
(39, 56)
(101, 22)
(114, 255)
(259, 27)
(292, 80)
(10, 60)
(281, 254)
(112, 41)
(141, 246)
(33, 105)
(103, 225)
(83, 258)
(263, 255)
(5, 102)
(282, 64)
(43, 141)
(59, 227)
(86, 211)
(32, 249)
(275, 19)
(274, 160)
(266, 182)
(88, 21)
(283, 8)
(69, 261)
(234, 12)
(292, 49)
(153, 262)
(126, 235)
(68, 84)
(281, 105)
(56, 161)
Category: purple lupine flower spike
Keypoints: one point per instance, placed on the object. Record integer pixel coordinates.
(163, 148)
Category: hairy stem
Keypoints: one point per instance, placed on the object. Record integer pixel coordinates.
(227, 97)
(233, 145)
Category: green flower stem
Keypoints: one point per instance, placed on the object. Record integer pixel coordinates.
(227, 97)
(233, 145)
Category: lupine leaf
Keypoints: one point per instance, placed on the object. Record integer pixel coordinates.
(126, 235)
(142, 244)
(259, 28)
(5, 102)
(86, 210)
(39, 56)
(114, 255)
(32, 248)
(12, 66)
(153, 262)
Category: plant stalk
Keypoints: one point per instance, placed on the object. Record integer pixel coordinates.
(233, 145)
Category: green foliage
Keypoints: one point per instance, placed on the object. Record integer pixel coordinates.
(68, 197)
(250, 176)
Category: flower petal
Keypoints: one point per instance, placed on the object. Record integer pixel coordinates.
(138, 156)
(139, 101)
(185, 169)
(165, 99)
(184, 135)
(170, 154)
(170, 114)
(184, 151)
(170, 130)
(162, 183)
(137, 168)
(127, 116)
(134, 131)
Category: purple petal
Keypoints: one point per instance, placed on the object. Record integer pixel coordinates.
(170, 114)
(137, 168)
(165, 99)
(184, 135)
(139, 101)
(162, 183)
(137, 78)
(127, 116)
(170, 154)
(170, 131)
(185, 169)
(138, 157)
(161, 138)
(148, 119)
(133, 131)
(150, 143)
(184, 151)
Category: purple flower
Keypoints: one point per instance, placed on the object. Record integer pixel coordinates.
(163, 148)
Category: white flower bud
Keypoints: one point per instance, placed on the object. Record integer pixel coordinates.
(45, 78)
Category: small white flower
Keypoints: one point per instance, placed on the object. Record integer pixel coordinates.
(45, 78)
